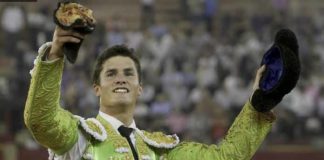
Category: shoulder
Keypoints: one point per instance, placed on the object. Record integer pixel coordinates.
(159, 139)
(93, 128)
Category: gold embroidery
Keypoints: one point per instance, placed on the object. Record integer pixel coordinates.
(141, 146)
(117, 140)
(51, 125)
(93, 127)
(160, 137)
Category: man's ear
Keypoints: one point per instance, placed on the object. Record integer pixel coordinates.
(140, 90)
(97, 89)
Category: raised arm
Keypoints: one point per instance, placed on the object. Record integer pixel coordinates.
(254, 122)
(50, 125)
(241, 142)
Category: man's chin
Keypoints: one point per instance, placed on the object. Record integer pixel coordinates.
(121, 102)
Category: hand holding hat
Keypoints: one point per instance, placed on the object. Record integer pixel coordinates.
(281, 73)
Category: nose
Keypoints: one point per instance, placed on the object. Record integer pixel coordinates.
(120, 80)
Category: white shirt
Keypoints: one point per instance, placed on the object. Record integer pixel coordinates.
(115, 123)
(76, 152)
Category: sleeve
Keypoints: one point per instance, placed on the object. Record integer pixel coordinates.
(52, 126)
(76, 152)
(241, 142)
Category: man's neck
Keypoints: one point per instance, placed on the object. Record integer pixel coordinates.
(122, 113)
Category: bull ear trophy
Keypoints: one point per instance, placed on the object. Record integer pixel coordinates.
(70, 15)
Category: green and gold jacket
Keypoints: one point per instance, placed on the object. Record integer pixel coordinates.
(57, 129)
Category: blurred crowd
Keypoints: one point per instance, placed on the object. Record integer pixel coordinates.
(197, 71)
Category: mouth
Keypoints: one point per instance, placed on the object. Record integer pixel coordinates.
(121, 90)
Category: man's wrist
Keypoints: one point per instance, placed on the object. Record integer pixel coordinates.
(48, 56)
(51, 56)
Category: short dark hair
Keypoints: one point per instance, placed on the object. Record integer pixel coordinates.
(117, 50)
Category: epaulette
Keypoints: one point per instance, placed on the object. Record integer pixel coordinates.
(159, 139)
(93, 127)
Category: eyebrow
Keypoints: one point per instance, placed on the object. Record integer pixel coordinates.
(128, 70)
(113, 70)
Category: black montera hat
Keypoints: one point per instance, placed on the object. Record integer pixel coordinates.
(282, 71)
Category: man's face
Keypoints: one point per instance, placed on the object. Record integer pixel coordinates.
(119, 83)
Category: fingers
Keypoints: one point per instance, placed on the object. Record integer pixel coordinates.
(61, 37)
(70, 33)
(59, 32)
(259, 74)
(65, 39)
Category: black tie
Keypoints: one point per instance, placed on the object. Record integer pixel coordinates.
(126, 132)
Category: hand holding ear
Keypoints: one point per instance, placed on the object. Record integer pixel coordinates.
(60, 37)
